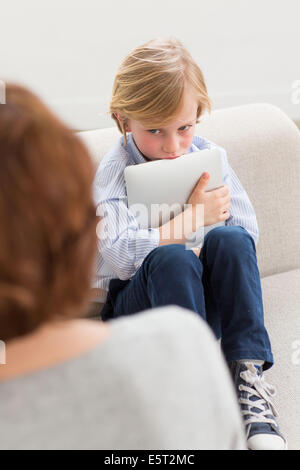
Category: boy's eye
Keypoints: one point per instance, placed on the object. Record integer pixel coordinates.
(157, 131)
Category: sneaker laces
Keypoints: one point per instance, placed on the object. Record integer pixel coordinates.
(263, 391)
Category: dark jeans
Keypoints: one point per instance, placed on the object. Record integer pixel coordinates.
(222, 286)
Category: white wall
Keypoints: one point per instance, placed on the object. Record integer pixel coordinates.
(69, 50)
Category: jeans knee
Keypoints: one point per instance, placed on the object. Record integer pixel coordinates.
(234, 237)
(172, 257)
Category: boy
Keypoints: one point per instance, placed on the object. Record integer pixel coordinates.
(159, 94)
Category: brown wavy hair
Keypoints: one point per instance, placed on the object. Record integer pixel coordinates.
(48, 217)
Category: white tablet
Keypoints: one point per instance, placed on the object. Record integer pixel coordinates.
(156, 186)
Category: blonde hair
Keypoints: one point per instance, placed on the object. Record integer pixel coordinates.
(150, 84)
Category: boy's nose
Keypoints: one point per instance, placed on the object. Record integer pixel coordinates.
(171, 146)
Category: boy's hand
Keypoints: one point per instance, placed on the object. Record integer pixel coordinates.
(216, 203)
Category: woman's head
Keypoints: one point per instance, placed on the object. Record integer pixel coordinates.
(48, 218)
(152, 83)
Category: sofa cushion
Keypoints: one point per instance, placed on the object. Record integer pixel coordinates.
(281, 297)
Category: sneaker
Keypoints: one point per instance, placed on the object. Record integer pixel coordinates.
(262, 431)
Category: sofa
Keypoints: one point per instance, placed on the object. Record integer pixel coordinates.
(263, 148)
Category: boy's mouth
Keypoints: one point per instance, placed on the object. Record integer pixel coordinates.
(162, 158)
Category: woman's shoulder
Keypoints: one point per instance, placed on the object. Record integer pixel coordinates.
(167, 319)
(169, 330)
(154, 375)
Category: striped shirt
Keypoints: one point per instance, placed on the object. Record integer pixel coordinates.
(123, 244)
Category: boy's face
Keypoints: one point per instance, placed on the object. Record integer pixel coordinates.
(171, 141)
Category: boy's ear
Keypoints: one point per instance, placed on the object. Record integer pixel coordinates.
(123, 122)
(118, 117)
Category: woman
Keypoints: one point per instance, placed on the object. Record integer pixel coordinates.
(139, 382)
